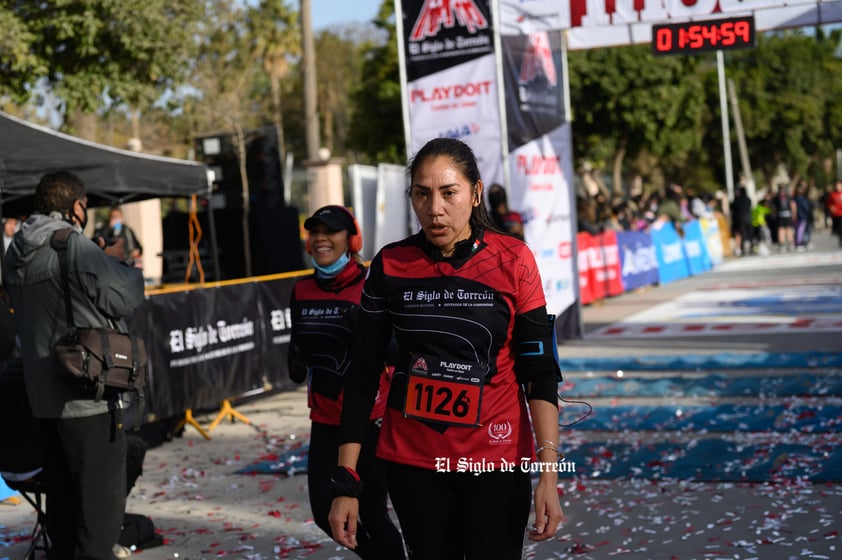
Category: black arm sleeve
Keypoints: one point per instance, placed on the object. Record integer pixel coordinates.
(372, 333)
(535, 364)
(296, 364)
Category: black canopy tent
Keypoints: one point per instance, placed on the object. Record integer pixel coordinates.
(112, 176)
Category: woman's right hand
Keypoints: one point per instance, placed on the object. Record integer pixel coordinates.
(344, 512)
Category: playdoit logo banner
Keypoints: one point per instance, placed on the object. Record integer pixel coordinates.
(452, 88)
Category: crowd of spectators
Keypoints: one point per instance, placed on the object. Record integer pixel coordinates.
(638, 213)
(782, 218)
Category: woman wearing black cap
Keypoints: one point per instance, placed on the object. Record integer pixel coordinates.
(324, 307)
(473, 405)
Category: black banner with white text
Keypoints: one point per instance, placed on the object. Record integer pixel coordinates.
(210, 344)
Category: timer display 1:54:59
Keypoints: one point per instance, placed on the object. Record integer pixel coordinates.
(701, 36)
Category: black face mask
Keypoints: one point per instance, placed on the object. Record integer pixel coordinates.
(83, 221)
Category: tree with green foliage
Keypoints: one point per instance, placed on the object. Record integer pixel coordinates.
(338, 69)
(789, 94)
(276, 43)
(377, 132)
(224, 80)
(95, 54)
(629, 105)
(660, 117)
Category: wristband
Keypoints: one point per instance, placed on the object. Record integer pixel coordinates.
(559, 455)
(344, 481)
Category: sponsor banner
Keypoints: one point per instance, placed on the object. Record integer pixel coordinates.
(451, 88)
(273, 298)
(587, 291)
(530, 16)
(695, 248)
(599, 265)
(611, 274)
(440, 34)
(532, 76)
(540, 162)
(672, 264)
(541, 173)
(605, 23)
(460, 102)
(607, 263)
(211, 344)
(204, 346)
(638, 260)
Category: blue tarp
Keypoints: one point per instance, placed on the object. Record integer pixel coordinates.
(706, 362)
(5, 491)
(713, 385)
(807, 418)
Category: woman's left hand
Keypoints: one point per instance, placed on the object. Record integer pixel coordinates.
(548, 512)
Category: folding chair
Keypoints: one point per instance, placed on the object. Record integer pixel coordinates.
(31, 487)
(22, 461)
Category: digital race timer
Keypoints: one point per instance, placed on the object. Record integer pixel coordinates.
(703, 36)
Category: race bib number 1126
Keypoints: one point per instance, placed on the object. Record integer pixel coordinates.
(443, 390)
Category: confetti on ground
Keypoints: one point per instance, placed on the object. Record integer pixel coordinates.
(687, 492)
(709, 384)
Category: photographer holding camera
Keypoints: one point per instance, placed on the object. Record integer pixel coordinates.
(118, 232)
(85, 442)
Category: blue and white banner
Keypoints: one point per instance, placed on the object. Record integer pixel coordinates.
(669, 249)
(695, 248)
(638, 259)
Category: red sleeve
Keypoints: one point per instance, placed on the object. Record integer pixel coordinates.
(530, 293)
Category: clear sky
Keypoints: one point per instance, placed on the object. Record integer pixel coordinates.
(326, 13)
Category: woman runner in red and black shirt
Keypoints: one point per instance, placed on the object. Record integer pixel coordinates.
(474, 361)
(323, 307)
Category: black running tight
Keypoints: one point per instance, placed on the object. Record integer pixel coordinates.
(456, 516)
(377, 537)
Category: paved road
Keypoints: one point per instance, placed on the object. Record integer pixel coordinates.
(773, 307)
(769, 309)
(782, 302)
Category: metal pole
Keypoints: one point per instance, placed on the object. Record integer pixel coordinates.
(726, 131)
(748, 177)
(212, 225)
(571, 188)
(501, 94)
(404, 81)
(407, 134)
(308, 49)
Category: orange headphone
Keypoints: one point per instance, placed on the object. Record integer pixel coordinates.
(355, 240)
